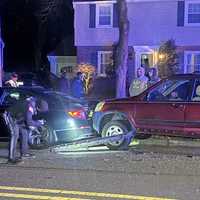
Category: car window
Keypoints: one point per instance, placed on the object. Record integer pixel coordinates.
(12, 96)
(170, 90)
(59, 101)
(196, 92)
(54, 103)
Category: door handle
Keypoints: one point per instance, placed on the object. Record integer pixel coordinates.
(175, 105)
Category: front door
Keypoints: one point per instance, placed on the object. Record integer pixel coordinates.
(147, 60)
(163, 108)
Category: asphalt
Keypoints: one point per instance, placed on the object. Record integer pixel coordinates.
(154, 167)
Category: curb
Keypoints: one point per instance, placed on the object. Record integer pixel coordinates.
(166, 141)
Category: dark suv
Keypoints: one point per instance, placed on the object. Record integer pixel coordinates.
(66, 120)
(170, 108)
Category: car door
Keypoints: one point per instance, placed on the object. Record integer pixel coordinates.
(3, 132)
(163, 108)
(192, 112)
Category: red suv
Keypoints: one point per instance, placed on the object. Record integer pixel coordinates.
(171, 108)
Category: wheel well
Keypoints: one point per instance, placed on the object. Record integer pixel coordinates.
(117, 117)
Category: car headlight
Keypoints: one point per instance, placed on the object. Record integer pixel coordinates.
(99, 106)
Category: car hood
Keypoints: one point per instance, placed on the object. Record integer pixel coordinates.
(122, 100)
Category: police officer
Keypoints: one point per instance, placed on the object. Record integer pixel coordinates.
(22, 114)
(14, 135)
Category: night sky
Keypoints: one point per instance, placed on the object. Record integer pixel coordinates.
(20, 26)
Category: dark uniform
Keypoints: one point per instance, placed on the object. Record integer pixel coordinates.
(14, 135)
(20, 117)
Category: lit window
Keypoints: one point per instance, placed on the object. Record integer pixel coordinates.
(105, 61)
(192, 13)
(192, 61)
(104, 16)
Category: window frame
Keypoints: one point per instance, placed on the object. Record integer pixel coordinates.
(190, 82)
(99, 63)
(186, 17)
(186, 53)
(194, 90)
(98, 25)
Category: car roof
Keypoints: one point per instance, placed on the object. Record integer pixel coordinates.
(43, 92)
(191, 75)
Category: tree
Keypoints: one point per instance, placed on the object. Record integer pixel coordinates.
(121, 53)
(43, 12)
(50, 17)
(167, 63)
(88, 71)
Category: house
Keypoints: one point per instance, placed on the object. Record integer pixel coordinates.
(64, 56)
(152, 22)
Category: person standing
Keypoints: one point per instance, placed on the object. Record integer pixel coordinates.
(13, 128)
(153, 76)
(78, 90)
(13, 82)
(22, 117)
(63, 83)
(139, 84)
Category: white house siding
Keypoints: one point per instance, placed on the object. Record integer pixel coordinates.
(150, 24)
(154, 22)
(85, 36)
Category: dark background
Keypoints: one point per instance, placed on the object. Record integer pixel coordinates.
(21, 20)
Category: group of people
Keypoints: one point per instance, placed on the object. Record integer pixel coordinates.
(75, 87)
(143, 80)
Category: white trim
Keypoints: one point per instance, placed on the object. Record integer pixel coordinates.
(185, 61)
(99, 53)
(97, 15)
(139, 50)
(187, 2)
(95, 2)
(114, 1)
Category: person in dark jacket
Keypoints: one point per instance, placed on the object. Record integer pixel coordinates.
(63, 83)
(22, 117)
(153, 76)
(78, 90)
(14, 135)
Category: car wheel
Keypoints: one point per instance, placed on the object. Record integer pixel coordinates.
(115, 128)
(40, 139)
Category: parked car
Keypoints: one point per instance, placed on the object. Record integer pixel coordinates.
(169, 108)
(66, 120)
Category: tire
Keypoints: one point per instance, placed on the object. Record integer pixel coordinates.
(41, 139)
(115, 128)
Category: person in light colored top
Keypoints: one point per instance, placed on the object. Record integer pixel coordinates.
(13, 82)
(139, 84)
(197, 94)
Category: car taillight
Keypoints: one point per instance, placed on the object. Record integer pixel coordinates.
(78, 114)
